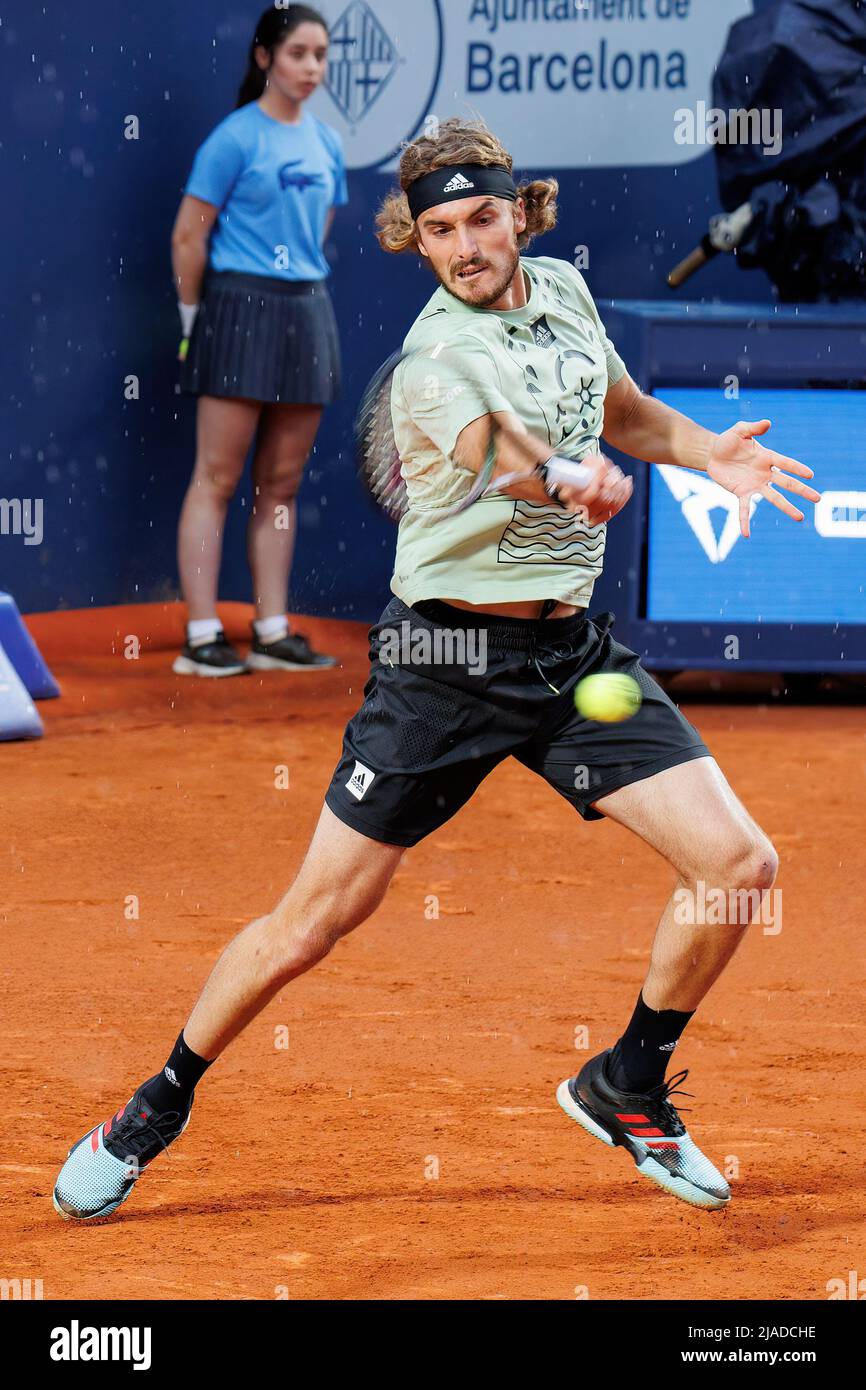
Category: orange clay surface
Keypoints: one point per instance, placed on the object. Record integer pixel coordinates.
(406, 1143)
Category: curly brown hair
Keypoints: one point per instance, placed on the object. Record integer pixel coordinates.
(458, 141)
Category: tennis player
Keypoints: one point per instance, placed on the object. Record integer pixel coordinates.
(518, 569)
(260, 348)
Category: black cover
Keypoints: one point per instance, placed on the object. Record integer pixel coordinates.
(808, 59)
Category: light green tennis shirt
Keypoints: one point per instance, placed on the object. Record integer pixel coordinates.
(550, 363)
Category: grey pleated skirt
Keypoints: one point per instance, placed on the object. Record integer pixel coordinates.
(265, 340)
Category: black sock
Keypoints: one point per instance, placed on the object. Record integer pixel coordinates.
(172, 1088)
(638, 1061)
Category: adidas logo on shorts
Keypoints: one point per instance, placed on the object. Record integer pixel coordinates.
(360, 780)
(667, 1047)
(458, 181)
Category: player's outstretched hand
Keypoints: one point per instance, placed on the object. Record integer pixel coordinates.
(602, 497)
(743, 466)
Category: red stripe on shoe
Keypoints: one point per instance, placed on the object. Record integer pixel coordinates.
(662, 1144)
(644, 1131)
(94, 1140)
(634, 1119)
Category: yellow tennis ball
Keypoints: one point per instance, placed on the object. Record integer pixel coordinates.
(607, 697)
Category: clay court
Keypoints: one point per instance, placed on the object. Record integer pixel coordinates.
(421, 1044)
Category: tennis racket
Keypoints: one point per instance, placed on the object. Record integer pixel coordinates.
(380, 465)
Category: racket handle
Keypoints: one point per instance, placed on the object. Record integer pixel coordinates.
(558, 470)
(690, 263)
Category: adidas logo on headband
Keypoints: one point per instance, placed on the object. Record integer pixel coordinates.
(458, 181)
(428, 191)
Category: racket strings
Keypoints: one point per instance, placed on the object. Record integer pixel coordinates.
(382, 463)
(381, 467)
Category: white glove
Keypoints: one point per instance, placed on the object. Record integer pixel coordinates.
(188, 314)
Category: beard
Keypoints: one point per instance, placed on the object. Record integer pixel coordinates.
(481, 296)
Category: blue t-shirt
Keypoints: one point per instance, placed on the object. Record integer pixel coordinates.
(273, 184)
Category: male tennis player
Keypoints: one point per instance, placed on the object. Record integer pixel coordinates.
(518, 569)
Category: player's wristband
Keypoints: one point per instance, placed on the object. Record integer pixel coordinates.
(557, 470)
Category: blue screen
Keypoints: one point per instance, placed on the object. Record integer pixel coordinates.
(814, 571)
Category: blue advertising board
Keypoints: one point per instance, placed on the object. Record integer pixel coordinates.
(688, 590)
(700, 569)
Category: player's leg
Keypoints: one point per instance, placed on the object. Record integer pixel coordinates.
(426, 736)
(690, 815)
(224, 433)
(654, 774)
(285, 438)
(340, 883)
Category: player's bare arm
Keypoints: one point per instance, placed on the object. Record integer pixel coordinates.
(518, 450)
(646, 428)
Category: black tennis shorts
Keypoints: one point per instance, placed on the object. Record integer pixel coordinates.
(452, 693)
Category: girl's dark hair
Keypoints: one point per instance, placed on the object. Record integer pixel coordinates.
(274, 26)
